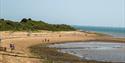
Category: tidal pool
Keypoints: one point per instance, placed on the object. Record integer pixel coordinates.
(100, 51)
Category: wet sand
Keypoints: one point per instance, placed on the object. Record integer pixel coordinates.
(94, 50)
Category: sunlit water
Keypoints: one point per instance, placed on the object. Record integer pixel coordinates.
(100, 51)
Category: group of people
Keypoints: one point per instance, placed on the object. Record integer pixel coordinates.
(46, 40)
(12, 46)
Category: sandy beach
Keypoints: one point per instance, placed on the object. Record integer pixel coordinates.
(29, 27)
(23, 40)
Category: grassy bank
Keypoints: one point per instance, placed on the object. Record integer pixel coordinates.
(52, 55)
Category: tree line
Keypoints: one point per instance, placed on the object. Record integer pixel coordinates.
(33, 25)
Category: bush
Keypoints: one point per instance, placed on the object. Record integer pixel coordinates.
(29, 24)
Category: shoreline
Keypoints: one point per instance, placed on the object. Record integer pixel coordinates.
(59, 57)
(22, 41)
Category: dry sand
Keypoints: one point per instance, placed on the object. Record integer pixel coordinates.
(23, 40)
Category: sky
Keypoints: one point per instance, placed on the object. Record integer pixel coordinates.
(108, 13)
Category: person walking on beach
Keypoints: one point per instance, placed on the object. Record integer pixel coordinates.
(0, 40)
(45, 40)
(12, 47)
(59, 35)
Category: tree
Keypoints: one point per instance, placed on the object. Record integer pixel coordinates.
(29, 19)
(24, 20)
(1, 19)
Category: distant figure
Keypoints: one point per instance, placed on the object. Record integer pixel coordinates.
(45, 39)
(48, 40)
(59, 35)
(0, 40)
(12, 47)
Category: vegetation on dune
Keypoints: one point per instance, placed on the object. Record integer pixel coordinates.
(29, 24)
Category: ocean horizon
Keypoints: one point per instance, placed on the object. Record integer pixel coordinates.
(113, 31)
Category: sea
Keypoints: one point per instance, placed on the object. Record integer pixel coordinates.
(97, 50)
(113, 31)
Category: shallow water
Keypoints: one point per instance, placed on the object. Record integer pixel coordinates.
(100, 51)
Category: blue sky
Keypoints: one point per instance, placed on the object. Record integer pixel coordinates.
(75, 12)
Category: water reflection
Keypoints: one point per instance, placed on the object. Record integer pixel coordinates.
(101, 51)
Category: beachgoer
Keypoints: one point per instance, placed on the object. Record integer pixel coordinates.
(45, 39)
(48, 40)
(12, 47)
(0, 39)
(59, 35)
